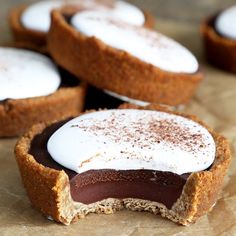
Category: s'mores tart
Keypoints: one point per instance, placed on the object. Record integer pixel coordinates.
(141, 159)
(219, 35)
(30, 24)
(124, 60)
(32, 90)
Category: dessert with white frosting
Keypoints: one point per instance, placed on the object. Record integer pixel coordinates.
(130, 61)
(34, 20)
(29, 83)
(219, 35)
(144, 159)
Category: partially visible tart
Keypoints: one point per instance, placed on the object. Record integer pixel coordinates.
(102, 99)
(32, 90)
(129, 61)
(219, 39)
(162, 162)
(30, 23)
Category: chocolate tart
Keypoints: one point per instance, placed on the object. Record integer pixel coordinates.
(134, 78)
(50, 186)
(18, 115)
(220, 51)
(36, 40)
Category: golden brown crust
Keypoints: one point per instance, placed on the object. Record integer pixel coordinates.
(219, 50)
(49, 190)
(18, 115)
(36, 40)
(114, 70)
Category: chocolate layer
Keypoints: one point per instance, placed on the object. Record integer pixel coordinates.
(157, 186)
(39, 149)
(96, 185)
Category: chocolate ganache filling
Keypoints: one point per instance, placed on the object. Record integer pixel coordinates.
(96, 185)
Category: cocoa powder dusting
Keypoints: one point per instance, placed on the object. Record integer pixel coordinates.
(145, 132)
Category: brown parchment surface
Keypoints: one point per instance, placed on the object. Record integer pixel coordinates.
(215, 103)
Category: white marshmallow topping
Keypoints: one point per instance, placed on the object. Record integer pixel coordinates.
(144, 44)
(226, 23)
(26, 74)
(132, 139)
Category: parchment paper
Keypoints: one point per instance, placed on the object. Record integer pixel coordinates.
(215, 103)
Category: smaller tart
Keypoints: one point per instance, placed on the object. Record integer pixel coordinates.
(219, 50)
(100, 99)
(37, 40)
(33, 93)
(109, 68)
(53, 198)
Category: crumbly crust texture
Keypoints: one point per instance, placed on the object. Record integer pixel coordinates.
(36, 40)
(49, 189)
(18, 115)
(114, 70)
(220, 51)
